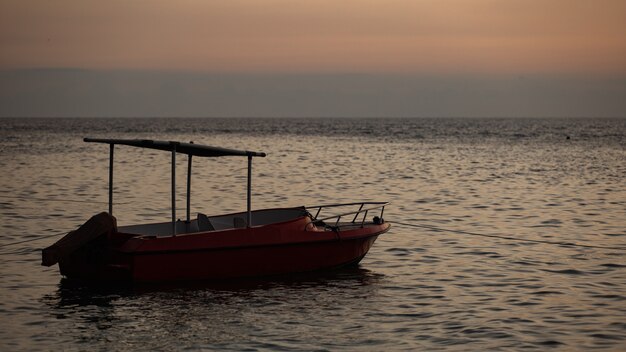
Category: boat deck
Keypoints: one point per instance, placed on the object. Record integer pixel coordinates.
(204, 223)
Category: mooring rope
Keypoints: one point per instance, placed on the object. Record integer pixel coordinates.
(434, 228)
(510, 238)
(60, 200)
(33, 239)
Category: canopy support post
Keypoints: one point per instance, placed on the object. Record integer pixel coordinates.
(111, 147)
(249, 190)
(189, 188)
(174, 190)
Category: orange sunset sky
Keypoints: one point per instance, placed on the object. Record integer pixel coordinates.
(547, 40)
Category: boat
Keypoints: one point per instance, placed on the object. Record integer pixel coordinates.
(251, 243)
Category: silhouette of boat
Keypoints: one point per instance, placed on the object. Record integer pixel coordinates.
(245, 244)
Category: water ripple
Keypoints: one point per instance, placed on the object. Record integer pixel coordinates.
(418, 289)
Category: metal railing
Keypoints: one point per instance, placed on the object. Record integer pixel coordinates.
(364, 208)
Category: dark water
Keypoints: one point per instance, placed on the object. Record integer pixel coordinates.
(416, 289)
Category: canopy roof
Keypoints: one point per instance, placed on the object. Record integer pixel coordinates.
(185, 148)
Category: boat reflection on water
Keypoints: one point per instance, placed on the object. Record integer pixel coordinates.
(73, 293)
(213, 315)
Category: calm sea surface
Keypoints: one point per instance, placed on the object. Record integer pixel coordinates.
(416, 289)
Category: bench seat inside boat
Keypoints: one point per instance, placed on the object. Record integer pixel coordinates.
(215, 223)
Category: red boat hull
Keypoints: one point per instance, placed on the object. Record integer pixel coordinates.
(251, 261)
(291, 247)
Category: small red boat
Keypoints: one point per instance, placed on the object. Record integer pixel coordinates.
(246, 244)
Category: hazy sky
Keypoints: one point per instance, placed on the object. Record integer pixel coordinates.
(414, 57)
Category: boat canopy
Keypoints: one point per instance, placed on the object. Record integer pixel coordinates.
(178, 147)
(190, 149)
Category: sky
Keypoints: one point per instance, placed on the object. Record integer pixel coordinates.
(302, 58)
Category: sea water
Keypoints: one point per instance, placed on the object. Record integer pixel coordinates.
(552, 180)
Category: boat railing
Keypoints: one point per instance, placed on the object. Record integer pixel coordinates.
(364, 208)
